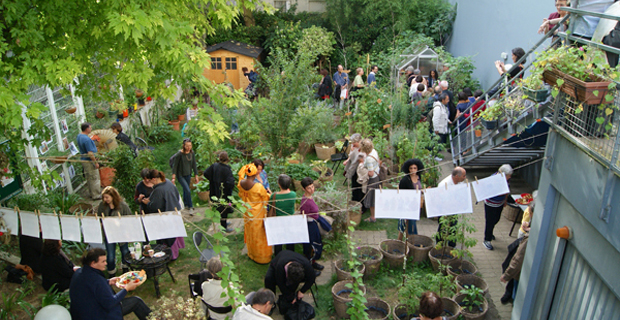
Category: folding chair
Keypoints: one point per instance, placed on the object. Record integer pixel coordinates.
(206, 253)
(340, 156)
(220, 310)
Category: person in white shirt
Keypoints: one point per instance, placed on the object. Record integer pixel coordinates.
(440, 117)
(259, 308)
(458, 176)
(212, 290)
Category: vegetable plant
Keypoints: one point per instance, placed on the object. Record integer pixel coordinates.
(300, 171)
(474, 298)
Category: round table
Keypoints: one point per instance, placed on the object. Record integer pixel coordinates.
(154, 266)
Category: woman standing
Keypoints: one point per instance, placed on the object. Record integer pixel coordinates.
(143, 190)
(350, 166)
(165, 197)
(369, 170)
(221, 184)
(325, 86)
(184, 164)
(433, 78)
(112, 205)
(314, 249)
(58, 268)
(256, 197)
(262, 175)
(284, 203)
(358, 82)
(412, 181)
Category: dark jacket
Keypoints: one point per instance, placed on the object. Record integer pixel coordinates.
(92, 297)
(146, 191)
(126, 140)
(58, 269)
(276, 272)
(30, 250)
(221, 180)
(184, 164)
(165, 197)
(325, 88)
(104, 209)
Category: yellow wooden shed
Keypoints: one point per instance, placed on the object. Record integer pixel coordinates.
(227, 60)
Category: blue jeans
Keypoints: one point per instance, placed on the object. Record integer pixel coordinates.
(413, 228)
(111, 254)
(187, 193)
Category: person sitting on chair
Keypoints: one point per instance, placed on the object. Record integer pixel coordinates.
(259, 308)
(120, 136)
(287, 270)
(212, 292)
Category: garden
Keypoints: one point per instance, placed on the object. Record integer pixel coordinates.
(154, 95)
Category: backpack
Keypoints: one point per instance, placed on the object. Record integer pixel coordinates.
(253, 76)
(429, 118)
(613, 40)
(172, 159)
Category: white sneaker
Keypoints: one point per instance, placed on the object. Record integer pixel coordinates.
(438, 159)
(191, 211)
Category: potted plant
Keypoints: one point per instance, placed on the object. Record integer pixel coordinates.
(118, 106)
(100, 113)
(140, 97)
(478, 130)
(491, 115)
(202, 189)
(325, 173)
(473, 304)
(300, 171)
(459, 236)
(349, 294)
(442, 254)
(582, 73)
(71, 109)
(533, 87)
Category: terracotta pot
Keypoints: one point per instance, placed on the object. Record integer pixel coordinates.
(181, 117)
(478, 133)
(175, 124)
(106, 175)
(580, 90)
(139, 93)
(71, 110)
(99, 115)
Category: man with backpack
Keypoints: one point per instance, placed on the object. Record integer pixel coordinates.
(252, 77)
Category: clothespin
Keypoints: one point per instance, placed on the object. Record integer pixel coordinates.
(446, 186)
(476, 179)
(160, 211)
(417, 188)
(380, 189)
(143, 213)
(398, 190)
(96, 216)
(136, 212)
(119, 214)
(466, 181)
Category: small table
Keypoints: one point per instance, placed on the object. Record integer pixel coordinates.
(153, 266)
(519, 216)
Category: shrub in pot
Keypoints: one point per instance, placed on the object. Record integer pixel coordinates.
(473, 304)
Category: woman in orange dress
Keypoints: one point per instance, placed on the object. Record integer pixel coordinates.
(256, 197)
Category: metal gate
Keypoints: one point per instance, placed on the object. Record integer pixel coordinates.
(580, 293)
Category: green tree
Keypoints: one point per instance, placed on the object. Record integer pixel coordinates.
(91, 44)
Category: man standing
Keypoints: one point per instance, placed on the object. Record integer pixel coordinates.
(440, 117)
(91, 167)
(287, 270)
(458, 176)
(372, 80)
(91, 295)
(451, 106)
(341, 82)
(493, 209)
(258, 308)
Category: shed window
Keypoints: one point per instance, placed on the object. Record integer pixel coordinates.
(231, 63)
(216, 63)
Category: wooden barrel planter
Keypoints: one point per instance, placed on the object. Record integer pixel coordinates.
(203, 196)
(470, 279)
(451, 309)
(436, 257)
(459, 267)
(377, 308)
(472, 314)
(371, 257)
(341, 293)
(419, 246)
(402, 312)
(394, 252)
(342, 274)
(324, 151)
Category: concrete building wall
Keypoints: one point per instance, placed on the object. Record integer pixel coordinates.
(486, 28)
(570, 194)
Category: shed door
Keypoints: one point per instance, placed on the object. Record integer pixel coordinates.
(232, 74)
(580, 293)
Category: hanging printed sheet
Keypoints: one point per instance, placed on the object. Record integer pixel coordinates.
(165, 226)
(30, 224)
(287, 229)
(71, 228)
(50, 226)
(443, 201)
(10, 219)
(91, 229)
(123, 229)
(397, 204)
(490, 187)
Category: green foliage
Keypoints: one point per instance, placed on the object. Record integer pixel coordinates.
(427, 148)
(127, 173)
(459, 73)
(404, 150)
(313, 124)
(357, 307)
(60, 200)
(202, 185)
(30, 202)
(300, 171)
(52, 296)
(459, 234)
(373, 111)
(12, 303)
(159, 133)
(474, 297)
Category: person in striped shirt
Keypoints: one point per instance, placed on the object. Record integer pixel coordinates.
(493, 209)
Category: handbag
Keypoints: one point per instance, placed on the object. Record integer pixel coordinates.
(324, 224)
(272, 208)
(300, 311)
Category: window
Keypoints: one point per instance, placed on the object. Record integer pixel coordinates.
(216, 63)
(231, 63)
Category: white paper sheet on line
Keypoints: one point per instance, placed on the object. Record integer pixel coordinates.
(456, 199)
(164, 226)
(50, 226)
(490, 187)
(91, 229)
(397, 204)
(70, 226)
(10, 219)
(123, 229)
(30, 224)
(286, 229)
